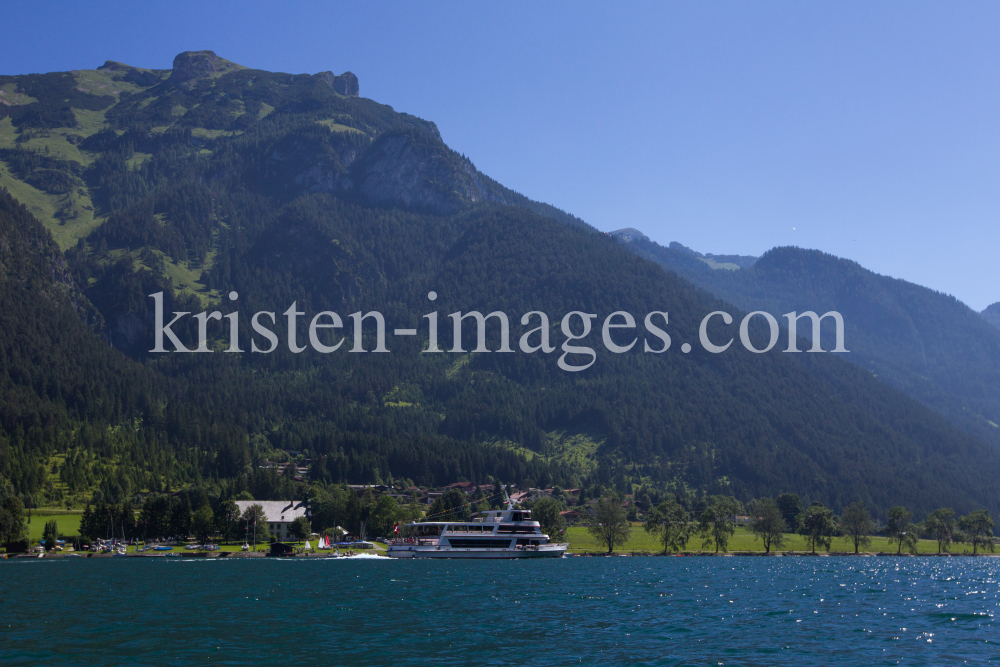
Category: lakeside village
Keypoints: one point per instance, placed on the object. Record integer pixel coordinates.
(351, 519)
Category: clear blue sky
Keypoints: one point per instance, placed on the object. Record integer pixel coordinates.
(868, 130)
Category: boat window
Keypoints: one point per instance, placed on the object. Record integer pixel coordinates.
(466, 543)
(510, 528)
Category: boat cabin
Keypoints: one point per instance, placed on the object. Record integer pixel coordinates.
(505, 533)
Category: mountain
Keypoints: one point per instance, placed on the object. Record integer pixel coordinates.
(730, 262)
(992, 314)
(239, 190)
(691, 258)
(926, 344)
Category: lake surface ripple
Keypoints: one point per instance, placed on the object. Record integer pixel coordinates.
(635, 611)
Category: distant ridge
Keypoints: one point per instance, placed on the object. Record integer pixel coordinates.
(926, 344)
(631, 235)
(992, 314)
(718, 261)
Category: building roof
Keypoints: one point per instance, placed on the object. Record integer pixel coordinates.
(277, 511)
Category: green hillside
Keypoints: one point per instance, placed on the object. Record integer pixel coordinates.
(211, 178)
(926, 344)
(992, 314)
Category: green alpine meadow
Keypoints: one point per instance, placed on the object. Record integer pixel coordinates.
(229, 192)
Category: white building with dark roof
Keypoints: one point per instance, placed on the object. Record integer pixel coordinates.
(280, 513)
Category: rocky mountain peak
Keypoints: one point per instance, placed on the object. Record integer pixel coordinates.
(345, 84)
(629, 234)
(191, 65)
(114, 66)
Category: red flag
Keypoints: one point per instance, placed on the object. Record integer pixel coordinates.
(395, 529)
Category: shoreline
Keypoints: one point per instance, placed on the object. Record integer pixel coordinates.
(623, 554)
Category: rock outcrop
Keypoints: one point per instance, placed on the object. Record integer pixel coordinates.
(345, 84)
(412, 169)
(191, 65)
(630, 234)
(123, 72)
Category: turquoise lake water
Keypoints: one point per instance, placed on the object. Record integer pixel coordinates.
(620, 611)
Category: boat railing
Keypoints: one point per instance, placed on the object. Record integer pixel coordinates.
(414, 541)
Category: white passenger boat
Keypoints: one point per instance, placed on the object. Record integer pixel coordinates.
(508, 533)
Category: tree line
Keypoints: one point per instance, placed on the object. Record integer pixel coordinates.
(770, 520)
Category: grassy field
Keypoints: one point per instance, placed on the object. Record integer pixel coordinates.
(77, 224)
(576, 450)
(337, 127)
(69, 525)
(581, 541)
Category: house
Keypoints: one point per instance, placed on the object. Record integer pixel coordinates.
(280, 514)
(571, 516)
(467, 487)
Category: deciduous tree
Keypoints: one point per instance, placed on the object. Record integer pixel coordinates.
(857, 524)
(978, 529)
(12, 524)
(816, 523)
(670, 523)
(901, 529)
(941, 525)
(453, 505)
(767, 523)
(610, 525)
(256, 521)
(718, 522)
(546, 511)
(300, 528)
(384, 513)
(228, 519)
(790, 506)
(202, 523)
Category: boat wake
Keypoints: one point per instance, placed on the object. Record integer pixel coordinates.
(364, 557)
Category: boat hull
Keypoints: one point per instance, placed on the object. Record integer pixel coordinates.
(555, 551)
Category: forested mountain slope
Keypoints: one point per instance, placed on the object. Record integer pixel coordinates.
(211, 178)
(926, 344)
(992, 314)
